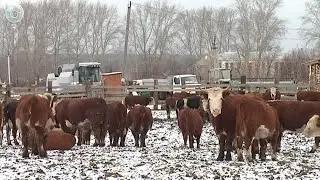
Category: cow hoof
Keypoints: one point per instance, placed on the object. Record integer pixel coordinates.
(43, 154)
(16, 143)
(102, 144)
(25, 154)
(35, 152)
(9, 144)
(95, 144)
(312, 151)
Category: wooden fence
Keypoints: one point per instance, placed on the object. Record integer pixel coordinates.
(158, 92)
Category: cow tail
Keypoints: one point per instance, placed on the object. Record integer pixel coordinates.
(33, 102)
(240, 120)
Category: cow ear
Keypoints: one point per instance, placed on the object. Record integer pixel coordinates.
(226, 93)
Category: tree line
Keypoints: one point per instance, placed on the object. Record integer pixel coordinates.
(163, 38)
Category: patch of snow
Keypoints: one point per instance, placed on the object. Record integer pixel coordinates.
(165, 157)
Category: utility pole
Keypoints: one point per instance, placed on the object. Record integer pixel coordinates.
(126, 41)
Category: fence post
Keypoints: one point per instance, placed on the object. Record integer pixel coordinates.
(243, 81)
(155, 95)
(87, 84)
(8, 93)
(49, 87)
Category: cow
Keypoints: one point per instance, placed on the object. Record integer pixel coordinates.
(312, 128)
(294, 115)
(271, 94)
(59, 140)
(130, 101)
(256, 120)
(308, 96)
(194, 102)
(190, 123)
(10, 121)
(117, 126)
(34, 119)
(171, 104)
(83, 114)
(139, 121)
(222, 106)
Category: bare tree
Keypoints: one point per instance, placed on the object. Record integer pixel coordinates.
(258, 32)
(311, 23)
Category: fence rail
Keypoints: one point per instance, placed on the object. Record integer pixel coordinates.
(119, 93)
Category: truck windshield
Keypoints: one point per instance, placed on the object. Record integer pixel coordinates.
(225, 74)
(91, 74)
(189, 80)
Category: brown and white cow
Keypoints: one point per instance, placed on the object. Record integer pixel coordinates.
(139, 121)
(59, 140)
(131, 101)
(313, 127)
(308, 96)
(271, 94)
(73, 114)
(117, 127)
(34, 119)
(294, 116)
(256, 120)
(190, 123)
(222, 107)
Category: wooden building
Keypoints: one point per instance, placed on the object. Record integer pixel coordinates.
(314, 74)
(112, 79)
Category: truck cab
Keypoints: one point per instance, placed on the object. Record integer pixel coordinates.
(185, 79)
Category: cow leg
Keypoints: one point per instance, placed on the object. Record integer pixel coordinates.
(279, 141)
(8, 129)
(136, 139)
(25, 141)
(248, 148)
(40, 140)
(103, 133)
(198, 142)
(79, 136)
(316, 145)
(263, 149)
(274, 144)
(168, 112)
(239, 148)
(1, 134)
(229, 147)
(222, 143)
(143, 140)
(97, 136)
(115, 140)
(177, 113)
(110, 139)
(14, 132)
(185, 139)
(191, 140)
(123, 137)
(255, 148)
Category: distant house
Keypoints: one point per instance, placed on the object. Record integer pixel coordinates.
(265, 68)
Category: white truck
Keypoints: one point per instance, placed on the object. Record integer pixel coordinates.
(75, 74)
(220, 76)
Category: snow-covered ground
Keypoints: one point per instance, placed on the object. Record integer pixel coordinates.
(163, 158)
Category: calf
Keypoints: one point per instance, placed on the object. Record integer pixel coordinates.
(32, 116)
(256, 120)
(10, 121)
(139, 121)
(308, 96)
(130, 101)
(83, 114)
(59, 140)
(294, 115)
(190, 123)
(117, 127)
(171, 103)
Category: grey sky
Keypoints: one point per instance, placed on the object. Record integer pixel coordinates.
(291, 11)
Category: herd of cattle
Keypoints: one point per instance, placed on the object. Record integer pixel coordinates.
(238, 117)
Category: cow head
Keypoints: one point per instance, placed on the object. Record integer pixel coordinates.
(215, 97)
(313, 127)
(273, 92)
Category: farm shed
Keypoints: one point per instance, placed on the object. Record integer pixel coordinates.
(112, 79)
(314, 73)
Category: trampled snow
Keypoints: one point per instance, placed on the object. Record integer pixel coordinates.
(163, 158)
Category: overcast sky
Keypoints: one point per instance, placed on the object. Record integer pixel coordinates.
(291, 11)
